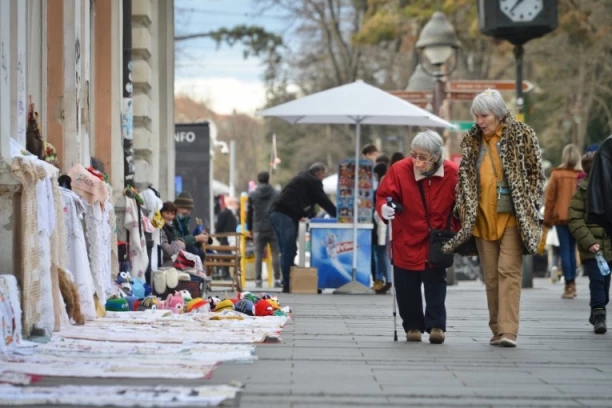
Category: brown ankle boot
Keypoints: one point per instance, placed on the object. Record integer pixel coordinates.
(567, 292)
(573, 289)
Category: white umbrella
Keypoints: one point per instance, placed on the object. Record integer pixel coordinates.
(358, 104)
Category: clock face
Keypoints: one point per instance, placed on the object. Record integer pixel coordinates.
(521, 11)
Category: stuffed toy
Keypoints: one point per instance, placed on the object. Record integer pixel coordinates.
(124, 281)
(131, 299)
(175, 303)
(280, 313)
(70, 293)
(147, 303)
(264, 308)
(249, 296)
(224, 305)
(34, 140)
(214, 301)
(147, 289)
(274, 303)
(138, 288)
(198, 305)
(245, 306)
(265, 295)
(186, 295)
(117, 305)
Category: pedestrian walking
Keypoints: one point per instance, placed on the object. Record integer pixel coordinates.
(383, 280)
(501, 185)
(559, 191)
(260, 227)
(427, 175)
(599, 191)
(227, 221)
(296, 201)
(593, 240)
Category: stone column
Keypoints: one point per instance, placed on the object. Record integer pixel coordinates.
(144, 87)
(72, 83)
(9, 187)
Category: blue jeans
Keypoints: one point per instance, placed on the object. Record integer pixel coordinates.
(286, 236)
(567, 247)
(383, 266)
(599, 285)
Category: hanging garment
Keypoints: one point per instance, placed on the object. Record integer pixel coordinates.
(10, 313)
(97, 236)
(59, 257)
(138, 246)
(78, 261)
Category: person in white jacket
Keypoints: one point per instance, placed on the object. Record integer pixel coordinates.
(383, 280)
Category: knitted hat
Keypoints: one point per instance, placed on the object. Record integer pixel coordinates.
(184, 200)
(224, 305)
(196, 304)
(264, 308)
(117, 305)
(245, 306)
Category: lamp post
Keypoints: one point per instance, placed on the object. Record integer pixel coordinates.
(436, 45)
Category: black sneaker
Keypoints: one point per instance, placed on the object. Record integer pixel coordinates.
(599, 321)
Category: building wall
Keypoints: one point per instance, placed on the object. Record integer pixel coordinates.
(153, 56)
(67, 54)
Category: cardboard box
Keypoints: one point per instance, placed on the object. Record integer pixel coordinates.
(304, 280)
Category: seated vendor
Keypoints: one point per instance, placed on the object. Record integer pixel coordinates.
(184, 205)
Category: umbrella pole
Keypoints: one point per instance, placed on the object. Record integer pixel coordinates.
(354, 287)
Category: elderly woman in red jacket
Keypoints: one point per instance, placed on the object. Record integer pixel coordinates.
(426, 171)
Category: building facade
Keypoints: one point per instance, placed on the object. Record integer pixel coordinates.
(67, 58)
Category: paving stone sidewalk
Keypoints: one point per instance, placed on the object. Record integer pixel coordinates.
(339, 351)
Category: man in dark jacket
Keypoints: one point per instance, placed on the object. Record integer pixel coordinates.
(227, 222)
(599, 191)
(260, 227)
(296, 201)
(184, 205)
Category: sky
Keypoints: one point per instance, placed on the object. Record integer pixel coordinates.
(221, 77)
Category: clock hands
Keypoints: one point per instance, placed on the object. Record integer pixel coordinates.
(515, 6)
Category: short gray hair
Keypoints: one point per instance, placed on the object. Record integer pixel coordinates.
(430, 141)
(489, 101)
(317, 168)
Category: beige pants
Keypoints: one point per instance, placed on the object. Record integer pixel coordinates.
(502, 264)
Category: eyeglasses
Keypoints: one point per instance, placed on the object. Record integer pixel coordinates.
(420, 157)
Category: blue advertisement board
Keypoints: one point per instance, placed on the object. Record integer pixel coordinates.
(332, 255)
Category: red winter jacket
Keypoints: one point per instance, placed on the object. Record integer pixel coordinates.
(410, 231)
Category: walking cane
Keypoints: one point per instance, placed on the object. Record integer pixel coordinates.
(390, 239)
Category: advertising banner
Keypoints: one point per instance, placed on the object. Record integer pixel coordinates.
(332, 255)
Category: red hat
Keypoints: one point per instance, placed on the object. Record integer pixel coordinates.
(263, 308)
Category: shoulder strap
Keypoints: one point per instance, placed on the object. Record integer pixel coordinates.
(450, 215)
(424, 203)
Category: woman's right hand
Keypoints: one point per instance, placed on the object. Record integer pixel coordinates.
(594, 248)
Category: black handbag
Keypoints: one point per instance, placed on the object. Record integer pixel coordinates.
(437, 239)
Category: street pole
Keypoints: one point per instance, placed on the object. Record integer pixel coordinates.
(520, 103)
(232, 186)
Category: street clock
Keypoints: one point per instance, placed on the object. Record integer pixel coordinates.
(517, 21)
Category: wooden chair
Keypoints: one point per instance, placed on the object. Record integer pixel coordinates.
(230, 260)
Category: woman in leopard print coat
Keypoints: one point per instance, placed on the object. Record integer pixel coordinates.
(498, 195)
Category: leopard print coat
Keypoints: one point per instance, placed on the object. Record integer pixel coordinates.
(522, 164)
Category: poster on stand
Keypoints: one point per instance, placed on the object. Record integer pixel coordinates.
(346, 194)
(332, 254)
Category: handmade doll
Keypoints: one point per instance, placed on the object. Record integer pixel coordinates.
(175, 303)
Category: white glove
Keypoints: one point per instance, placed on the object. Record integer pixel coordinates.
(388, 212)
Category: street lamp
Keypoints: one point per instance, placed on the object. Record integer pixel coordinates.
(437, 43)
(420, 81)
